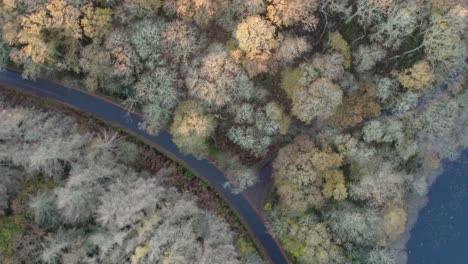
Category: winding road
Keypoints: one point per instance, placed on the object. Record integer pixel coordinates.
(116, 114)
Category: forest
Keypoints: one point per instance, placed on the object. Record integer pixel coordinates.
(72, 195)
(354, 102)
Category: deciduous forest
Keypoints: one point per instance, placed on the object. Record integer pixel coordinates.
(354, 102)
(72, 195)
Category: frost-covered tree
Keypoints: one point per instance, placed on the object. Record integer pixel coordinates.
(217, 79)
(305, 175)
(146, 39)
(311, 242)
(293, 47)
(443, 39)
(366, 57)
(385, 131)
(128, 201)
(401, 22)
(45, 210)
(255, 128)
(181, 41)
(157, 93)
(393, 224)
(319, 99)
(378, 184)
(240, 176)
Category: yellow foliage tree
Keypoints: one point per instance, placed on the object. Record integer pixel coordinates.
(394, 222)
(256, 36)
(96, 21)
(44, 32)
(419, 76)
(338, 43)
(191, 127)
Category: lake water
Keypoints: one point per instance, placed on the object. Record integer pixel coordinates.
(440, 235)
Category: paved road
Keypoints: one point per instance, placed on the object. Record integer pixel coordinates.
(117, 115)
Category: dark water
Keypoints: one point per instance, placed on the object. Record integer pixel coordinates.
(440, 235)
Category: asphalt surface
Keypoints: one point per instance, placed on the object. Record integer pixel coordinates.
(118, 116)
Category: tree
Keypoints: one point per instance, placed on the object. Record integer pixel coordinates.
(356, 107)
(181, 41)
(381, 256)
(378, 185)
(368, 12)
(304, 175)
(127, 201)
(353, 225)
(367, 57)
(8, 177)
(4, 52)
(240, 176)
(297, 183)
(312, 243)
(202, 12)
(320, 99)
(255, 128)
(386, 131)
(419, 76)
(146, 39)
(77, 204)
(394, 222)
(96, 22)
(293, 47)
(249, 139)
(401, 22)
(132, 10)
(157, 93)
(288, 13)
(217, 79)
(57, 19)
(44, 210)
(191, 127)
(97, 63)
(387, 89)
(443, 39)
(125, 62)
(338, 43)
(256, 36)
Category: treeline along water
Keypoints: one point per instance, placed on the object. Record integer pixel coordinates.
(440, 235)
